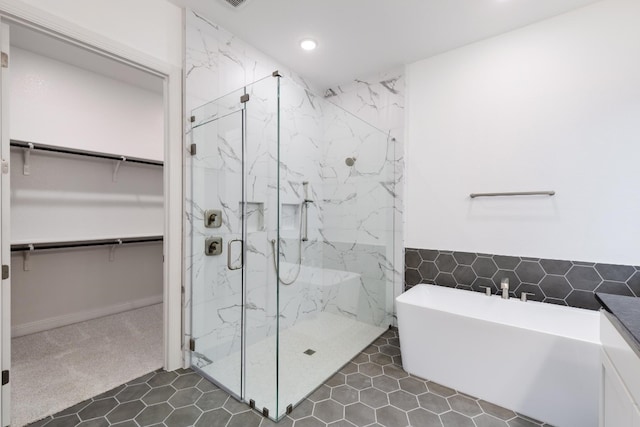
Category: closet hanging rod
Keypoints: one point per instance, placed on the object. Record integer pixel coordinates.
(95, 154)
(83, 243)
(519, 193)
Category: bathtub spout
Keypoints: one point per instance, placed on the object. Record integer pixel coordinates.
(504, 285)
(524, 295)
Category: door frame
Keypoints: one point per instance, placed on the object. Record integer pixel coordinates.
(5, 248)
(173, 182)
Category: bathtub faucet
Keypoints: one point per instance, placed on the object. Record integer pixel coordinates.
(504, 285)
(487, 290)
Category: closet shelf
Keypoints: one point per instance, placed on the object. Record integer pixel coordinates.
(86, 153)
(22, 247)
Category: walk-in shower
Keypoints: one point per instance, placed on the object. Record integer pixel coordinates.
(300, 277)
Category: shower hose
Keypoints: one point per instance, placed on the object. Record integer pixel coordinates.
(275, 252)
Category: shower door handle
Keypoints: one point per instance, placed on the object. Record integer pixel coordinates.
(229, 266)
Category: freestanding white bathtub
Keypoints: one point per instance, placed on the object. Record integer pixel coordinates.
(540, 360)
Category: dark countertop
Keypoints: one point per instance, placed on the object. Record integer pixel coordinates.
(626, 310)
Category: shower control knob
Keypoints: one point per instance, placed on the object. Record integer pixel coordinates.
(213, 218)
(213, 246)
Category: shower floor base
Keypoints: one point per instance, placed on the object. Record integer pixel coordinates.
(333, 339)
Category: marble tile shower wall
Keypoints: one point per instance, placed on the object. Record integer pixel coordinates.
(216, 64)
(379, 100)
(570, 283)
(300, 151)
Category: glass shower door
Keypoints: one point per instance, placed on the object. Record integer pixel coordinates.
(234, 300)
(218, 232)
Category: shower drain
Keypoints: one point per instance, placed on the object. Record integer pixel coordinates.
(309, 352)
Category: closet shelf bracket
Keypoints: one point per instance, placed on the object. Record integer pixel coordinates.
(26, 169)
(117, 168)
(112, 251)
(26, 258)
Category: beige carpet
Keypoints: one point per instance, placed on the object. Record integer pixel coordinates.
(56, 369)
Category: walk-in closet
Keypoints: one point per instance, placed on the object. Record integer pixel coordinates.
(86, 223)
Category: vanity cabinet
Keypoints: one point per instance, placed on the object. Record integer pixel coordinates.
(618, 406)
(620, 392)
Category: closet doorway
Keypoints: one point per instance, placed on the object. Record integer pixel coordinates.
(84, 223)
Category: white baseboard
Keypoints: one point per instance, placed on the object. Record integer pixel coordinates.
(69, 319)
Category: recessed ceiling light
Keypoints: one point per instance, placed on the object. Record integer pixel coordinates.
(308, 44)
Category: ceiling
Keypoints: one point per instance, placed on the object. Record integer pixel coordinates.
(357, 38)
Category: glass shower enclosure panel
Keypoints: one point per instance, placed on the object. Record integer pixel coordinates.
(234, 294)
(261, 221)
(336, 258)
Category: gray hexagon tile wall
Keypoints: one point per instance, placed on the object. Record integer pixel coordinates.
(571, 283)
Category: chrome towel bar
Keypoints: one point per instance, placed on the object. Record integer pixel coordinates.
(518, 193)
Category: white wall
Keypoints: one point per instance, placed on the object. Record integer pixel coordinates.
(58, 104)
(552, 106)
(73, 197)
(69, 286)
(66, 197)
(150, 26)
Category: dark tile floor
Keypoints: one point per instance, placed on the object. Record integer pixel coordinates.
(371, 390)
